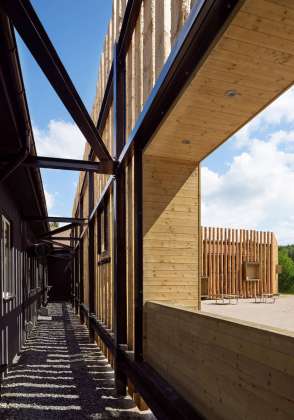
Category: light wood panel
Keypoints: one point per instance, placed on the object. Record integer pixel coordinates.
(254, 57)
(171, 268)
(227, 370)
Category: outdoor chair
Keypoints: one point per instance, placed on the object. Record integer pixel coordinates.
(266, 297)
(227, 299)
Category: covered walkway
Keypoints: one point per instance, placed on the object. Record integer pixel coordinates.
(61, 375)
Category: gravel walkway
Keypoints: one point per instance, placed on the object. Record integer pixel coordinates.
(61, 376)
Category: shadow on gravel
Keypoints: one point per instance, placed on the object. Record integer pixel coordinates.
(61, 375)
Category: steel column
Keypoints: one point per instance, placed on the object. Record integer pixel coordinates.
(119, 221)
(138, 252)
(91, 254)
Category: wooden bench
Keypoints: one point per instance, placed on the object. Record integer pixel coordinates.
(228, 297)
(263, 297)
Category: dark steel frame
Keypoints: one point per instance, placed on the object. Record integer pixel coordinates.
(58, 230)
(34, 35)
(207, 20)
(104, 167)
(205, 23)
(75, 220)
(119, 220)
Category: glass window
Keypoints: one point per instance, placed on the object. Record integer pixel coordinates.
(103, 231)
(6, 257)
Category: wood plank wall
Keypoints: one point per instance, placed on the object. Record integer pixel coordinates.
(224, 254)
(171, 231)
(157, 27)
(227, 370)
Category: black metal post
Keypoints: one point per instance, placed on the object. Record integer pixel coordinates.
(91, 256)
(119, 221)
(138, 252)
(81, 277)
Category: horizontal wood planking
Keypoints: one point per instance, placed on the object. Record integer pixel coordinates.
(224, 253)
(162, 258)
(238, 370)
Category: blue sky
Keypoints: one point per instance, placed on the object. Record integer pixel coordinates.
(77, 29)
(245, 183)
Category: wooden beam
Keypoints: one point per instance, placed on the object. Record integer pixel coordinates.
(104, 167)
(35, 37)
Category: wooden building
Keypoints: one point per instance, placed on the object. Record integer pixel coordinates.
(177, 78)
(143, 240)
(23, 274)
(238, 262)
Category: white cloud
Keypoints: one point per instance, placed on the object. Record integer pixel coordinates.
(50, 199)
(256, 190)
(60, 139)
(280, 112)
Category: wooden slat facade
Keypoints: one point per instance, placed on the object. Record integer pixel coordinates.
(225, 255)
(153, 25)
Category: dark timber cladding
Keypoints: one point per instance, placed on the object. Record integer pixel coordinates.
(32, 32)
(23, 277)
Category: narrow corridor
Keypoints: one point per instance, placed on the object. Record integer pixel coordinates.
(61, 375)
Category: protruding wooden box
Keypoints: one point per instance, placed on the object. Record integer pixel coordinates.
(251, 271)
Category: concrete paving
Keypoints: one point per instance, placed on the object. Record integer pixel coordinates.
(279, 314)
(60, 375)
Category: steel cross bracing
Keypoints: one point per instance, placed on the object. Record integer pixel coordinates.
(28, 25)
(207, 20)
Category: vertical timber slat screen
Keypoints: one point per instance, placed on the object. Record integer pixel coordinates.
(238, 261)
(155, 32)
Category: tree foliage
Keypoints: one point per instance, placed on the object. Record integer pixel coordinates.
(286, 260)
(53, 225)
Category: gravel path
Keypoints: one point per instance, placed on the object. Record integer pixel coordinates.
(61, 376)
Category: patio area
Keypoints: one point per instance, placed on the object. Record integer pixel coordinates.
(279, 314)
